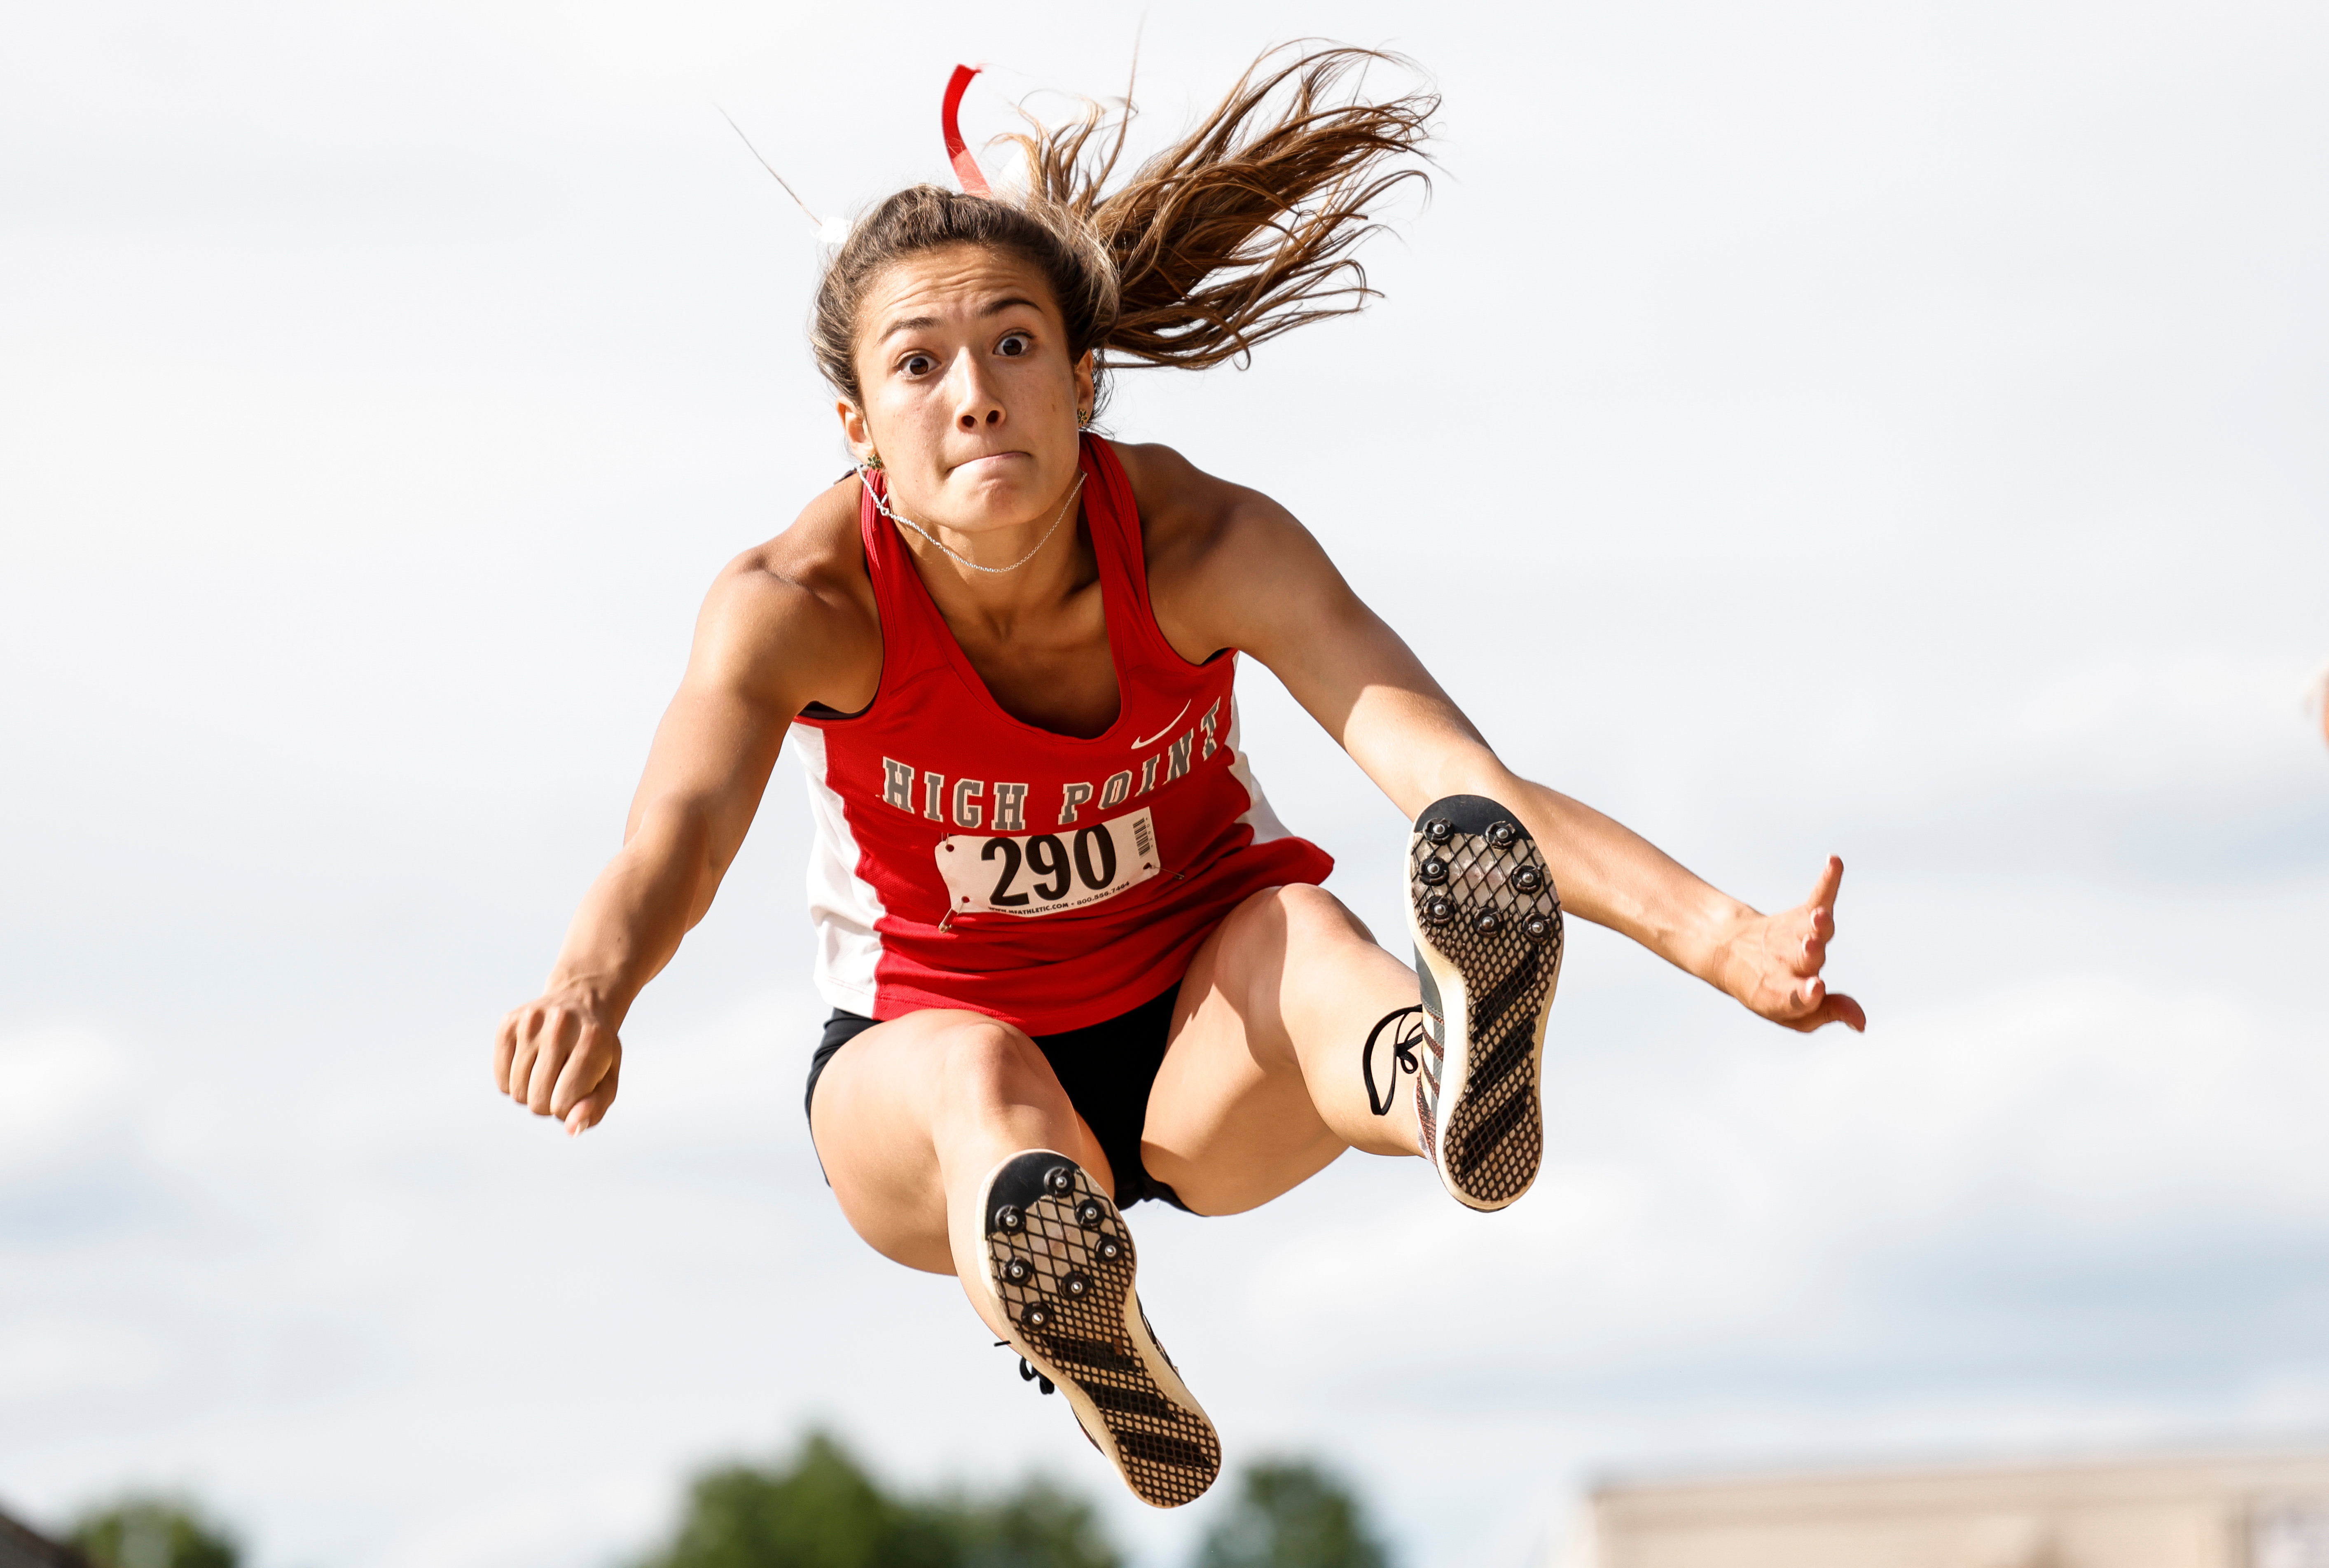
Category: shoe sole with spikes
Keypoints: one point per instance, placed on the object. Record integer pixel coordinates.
(1486, 923)
(1060, 1263)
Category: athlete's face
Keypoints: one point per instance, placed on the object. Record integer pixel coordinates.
(970, 397)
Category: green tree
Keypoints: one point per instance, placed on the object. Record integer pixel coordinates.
(1290, 1513)
(822, 1510)
(1037, 1526)
(154, 1531)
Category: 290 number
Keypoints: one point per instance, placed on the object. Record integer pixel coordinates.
(1055, 866)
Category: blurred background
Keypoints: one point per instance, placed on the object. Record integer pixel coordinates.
(1892, 432)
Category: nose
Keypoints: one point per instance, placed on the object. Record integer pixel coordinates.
(978, 407)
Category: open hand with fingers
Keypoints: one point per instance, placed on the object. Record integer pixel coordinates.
(556, 1056)
(1772, 962)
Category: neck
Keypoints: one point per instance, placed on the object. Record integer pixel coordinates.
(997, 573)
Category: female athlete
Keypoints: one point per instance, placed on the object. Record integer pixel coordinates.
(1076, 960)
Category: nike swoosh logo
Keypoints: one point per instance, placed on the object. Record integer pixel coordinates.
(1167, 729)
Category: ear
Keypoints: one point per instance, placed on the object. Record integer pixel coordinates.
(1087, 393)
(854, 429)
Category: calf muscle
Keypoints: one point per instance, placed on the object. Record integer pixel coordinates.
(910, 1115)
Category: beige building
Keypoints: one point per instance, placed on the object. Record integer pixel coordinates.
(2203, 1511)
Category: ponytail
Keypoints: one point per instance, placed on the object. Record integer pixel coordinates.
(1241, 231)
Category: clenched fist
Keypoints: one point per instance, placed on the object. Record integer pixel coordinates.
(557, 1057)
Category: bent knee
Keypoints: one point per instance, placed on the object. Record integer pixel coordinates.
(1312, 907)
(1279, 921)
(981, 1057)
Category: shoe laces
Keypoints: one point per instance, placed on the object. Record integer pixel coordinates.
(1403, 1058)
(1027, 1373)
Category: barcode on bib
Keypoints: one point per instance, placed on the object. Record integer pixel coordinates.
(1041, 873)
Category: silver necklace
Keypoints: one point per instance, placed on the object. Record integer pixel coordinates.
(882, 504)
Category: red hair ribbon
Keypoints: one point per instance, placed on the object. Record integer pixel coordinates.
(966, 167)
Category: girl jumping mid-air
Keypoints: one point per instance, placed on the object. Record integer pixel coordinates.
(1075, 958)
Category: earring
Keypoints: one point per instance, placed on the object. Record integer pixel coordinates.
(873, 460)
(1083, 419)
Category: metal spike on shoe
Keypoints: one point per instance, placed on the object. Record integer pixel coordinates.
(1486, 923)
(1059, 1266)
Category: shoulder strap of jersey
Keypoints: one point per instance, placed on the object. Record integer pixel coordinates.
(1114, 516)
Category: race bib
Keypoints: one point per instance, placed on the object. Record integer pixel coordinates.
(1041, 873)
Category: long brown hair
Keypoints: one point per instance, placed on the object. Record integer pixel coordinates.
(1239, 232)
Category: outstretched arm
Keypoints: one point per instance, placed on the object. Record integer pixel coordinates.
(1239, 559)
(1414, 743)
(764, 646)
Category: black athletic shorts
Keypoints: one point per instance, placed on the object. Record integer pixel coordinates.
(1106, 1070)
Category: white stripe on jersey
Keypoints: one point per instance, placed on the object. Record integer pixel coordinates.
(1257, 815)
(842, 905)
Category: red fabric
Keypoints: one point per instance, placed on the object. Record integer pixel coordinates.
(966, 167)
(1173, 743)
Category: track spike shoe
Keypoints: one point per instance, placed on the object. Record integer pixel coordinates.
(1059, 1271)
(1486, 924)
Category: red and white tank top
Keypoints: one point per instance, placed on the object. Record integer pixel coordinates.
(965, 859)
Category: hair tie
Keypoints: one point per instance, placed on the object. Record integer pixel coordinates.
(966, 167)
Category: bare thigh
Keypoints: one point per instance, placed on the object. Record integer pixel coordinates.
(910, 1115)
(1261, 1087)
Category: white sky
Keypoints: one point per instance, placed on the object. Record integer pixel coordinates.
(1896, 430)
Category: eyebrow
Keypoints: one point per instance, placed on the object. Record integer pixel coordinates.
(920, 323)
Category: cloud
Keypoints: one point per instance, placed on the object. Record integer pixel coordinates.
(60, 1088)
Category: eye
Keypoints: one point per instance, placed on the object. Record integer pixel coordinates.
(1015, 344)
(917, 364)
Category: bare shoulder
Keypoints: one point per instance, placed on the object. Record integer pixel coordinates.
(1219, 555)
(1184, 510)
(793, 619)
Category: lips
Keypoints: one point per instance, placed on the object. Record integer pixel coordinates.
(986, 458)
